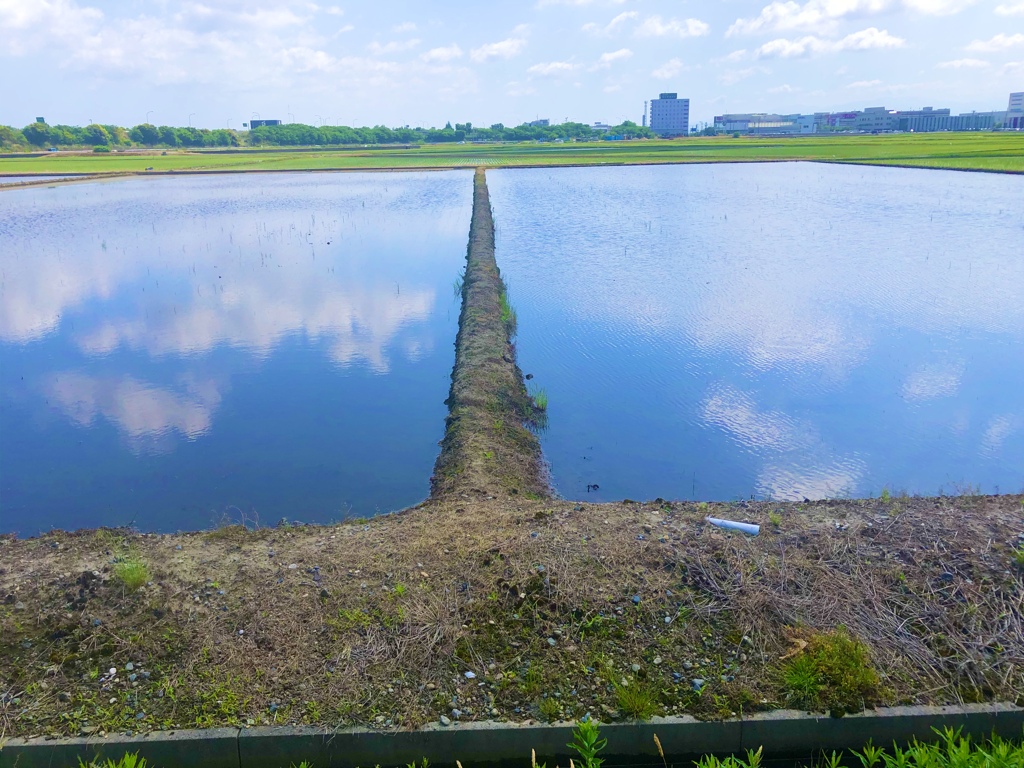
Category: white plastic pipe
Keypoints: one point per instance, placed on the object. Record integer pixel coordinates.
(750, 528)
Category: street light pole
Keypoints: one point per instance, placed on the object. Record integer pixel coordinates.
(150, 112)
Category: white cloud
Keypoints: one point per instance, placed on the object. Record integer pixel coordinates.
(1000, 42)
(395, 46)
(1015, 68)
(653, 26)
(1010, 10)
(938, 7)
(406, 26)
(815, 15)
(334, 10)
(668, 70)
(445, 53)
(552, 68)
(784, 88)
(733, 76)
(866, 39)
(504, 49)
(607, 59)
(864, 84)
(611, 26)
(963, 64)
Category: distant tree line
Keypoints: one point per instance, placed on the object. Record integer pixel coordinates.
(40, 135)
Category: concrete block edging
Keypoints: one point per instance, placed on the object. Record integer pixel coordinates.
(782, 734)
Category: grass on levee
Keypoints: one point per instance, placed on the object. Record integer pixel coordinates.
(969, 151)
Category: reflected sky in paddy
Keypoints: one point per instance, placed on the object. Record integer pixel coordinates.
(776, 330)
(173, 351)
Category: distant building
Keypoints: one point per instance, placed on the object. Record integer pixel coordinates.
(261, 123)
(540, 123)
(600, 127)
(43, 119)
(1015, 112)
(670, 115)
(763, 124)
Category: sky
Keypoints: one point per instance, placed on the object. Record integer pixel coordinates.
(218, 63)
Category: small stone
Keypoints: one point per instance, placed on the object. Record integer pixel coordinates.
(668, 619)
(687, 665)
(456, 713)
(657, 660)
(634, 667)
(552, 641)
(293, 566)
(129, 667)
(85, 730)
(445, 721)
(145, 674)
(19, 606)
(470, 675)
(636, 599)
(494, 712)
(112, 671)
(132, 678)
(697, 683)
(62, 696)
(379, 719)
(431, 686)
(96, 622)
(241, 632)
(743, 657)
(140, 715)
(746, 641)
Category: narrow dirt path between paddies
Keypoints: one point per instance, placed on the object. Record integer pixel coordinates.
(488, 448)
(511, 609)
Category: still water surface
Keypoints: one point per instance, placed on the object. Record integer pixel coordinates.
(173, 351)
(781, 330)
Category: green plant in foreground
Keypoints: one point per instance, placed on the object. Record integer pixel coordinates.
(130, 760)
(636, 701)
(732, 761)
(132, 571)
(775, 518)
(834, 673)
(587, 741)
(1018, 556)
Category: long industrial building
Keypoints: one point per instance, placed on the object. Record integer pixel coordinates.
(874, 120)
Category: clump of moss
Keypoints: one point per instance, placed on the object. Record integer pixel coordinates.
(834, 672)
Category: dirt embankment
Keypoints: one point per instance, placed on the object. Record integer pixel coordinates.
(488, 448)
(512, 609)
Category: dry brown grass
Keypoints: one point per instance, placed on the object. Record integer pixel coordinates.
(378, 622)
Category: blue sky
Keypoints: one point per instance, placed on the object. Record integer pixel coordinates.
(220, 62)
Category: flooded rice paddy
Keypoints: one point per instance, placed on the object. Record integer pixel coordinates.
(778, 331)
(174, 352)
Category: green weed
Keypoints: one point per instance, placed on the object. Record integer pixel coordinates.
(587, 741)
(549, 709)
(540, 399)
(508, 315)
(775, 518)
(1018, 556)
(834, 673)
(132, 571)
(131, 760)
(636, 700)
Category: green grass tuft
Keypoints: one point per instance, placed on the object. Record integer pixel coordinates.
(636, 701)
(132, 571)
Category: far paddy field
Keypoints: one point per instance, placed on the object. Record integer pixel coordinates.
(1000, 152)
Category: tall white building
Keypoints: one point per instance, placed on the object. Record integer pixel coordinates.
(670, 116)
(1014, 120)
